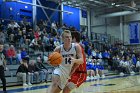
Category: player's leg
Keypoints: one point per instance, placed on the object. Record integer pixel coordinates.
(76, 80)
(3, 83)
(69, 87)
(54, 87)
(2, 77)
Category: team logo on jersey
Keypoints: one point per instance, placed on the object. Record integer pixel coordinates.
(67, 58)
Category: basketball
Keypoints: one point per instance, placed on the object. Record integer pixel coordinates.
(55, 58)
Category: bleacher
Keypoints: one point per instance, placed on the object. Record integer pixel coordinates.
(12, 79)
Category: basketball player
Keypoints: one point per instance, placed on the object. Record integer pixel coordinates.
(2, 66)
(71, 53)
(78, 73)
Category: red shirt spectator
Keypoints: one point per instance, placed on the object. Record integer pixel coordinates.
(11, 52)
(37, 34)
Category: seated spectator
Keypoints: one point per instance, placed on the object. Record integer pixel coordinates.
(37, 33)
(99, 68)
(51, 44)
(138, 65)
(42, 69)
(121, 67)
(2, 36)
(93, 53)
(129, 65)
(134, 61)
(24, 54)
(33, 71)
(46, 42)
(116, 60)
(34, 44)
(23, 72)
(19, 59)
(11, 54)
(5, 48)
(56, 42)
(126, 66)
(90, 69)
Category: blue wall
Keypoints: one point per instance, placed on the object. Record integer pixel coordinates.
(17, 12)
(56, 15)
(1, 1)
(71, 19)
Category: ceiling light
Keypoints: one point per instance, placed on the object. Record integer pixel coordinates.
(112, 3)
(91, 0)
(117, 5)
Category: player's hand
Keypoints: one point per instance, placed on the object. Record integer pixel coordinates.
(69, 77)
(73, 60)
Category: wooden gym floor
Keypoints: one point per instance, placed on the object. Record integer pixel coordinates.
(110, 84)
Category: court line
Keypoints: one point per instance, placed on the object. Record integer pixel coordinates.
(46, 86)
(26, 89)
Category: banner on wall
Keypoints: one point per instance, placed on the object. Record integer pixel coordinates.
(84, 14)
(134, 33)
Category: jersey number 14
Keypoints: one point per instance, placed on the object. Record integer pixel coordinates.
(67, 60)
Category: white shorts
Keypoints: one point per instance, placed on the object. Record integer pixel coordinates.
(63, 77)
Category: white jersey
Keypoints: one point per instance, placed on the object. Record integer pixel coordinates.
(65, 67)
(66, 64)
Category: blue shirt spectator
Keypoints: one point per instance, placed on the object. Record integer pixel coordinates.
(134, 60)
(105, 54)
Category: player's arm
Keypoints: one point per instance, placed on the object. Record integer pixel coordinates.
(57, 49)
(74, 67)
(79, 59)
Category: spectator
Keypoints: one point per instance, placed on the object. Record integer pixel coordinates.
(11, 54)
(121, 67)
(34, 44)
(53, 25)
(24, 54)
(56, 42)
(138, 65)
(23, 72)
(33, 71)
(46, 42)
(90, 69)
(2, 36)
(42, 69)
(19, 59)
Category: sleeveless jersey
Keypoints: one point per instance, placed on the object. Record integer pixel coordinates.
(82, 67)
(66, 64)
(79, 76)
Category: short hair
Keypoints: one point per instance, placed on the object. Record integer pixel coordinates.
(25, 59)
(76, 35)
(65, 31)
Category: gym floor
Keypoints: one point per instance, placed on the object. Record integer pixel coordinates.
(110, 84)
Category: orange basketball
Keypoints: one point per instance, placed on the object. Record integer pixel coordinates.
(55, 58)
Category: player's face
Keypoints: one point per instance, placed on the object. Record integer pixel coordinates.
(67, 38)
(1, 48)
